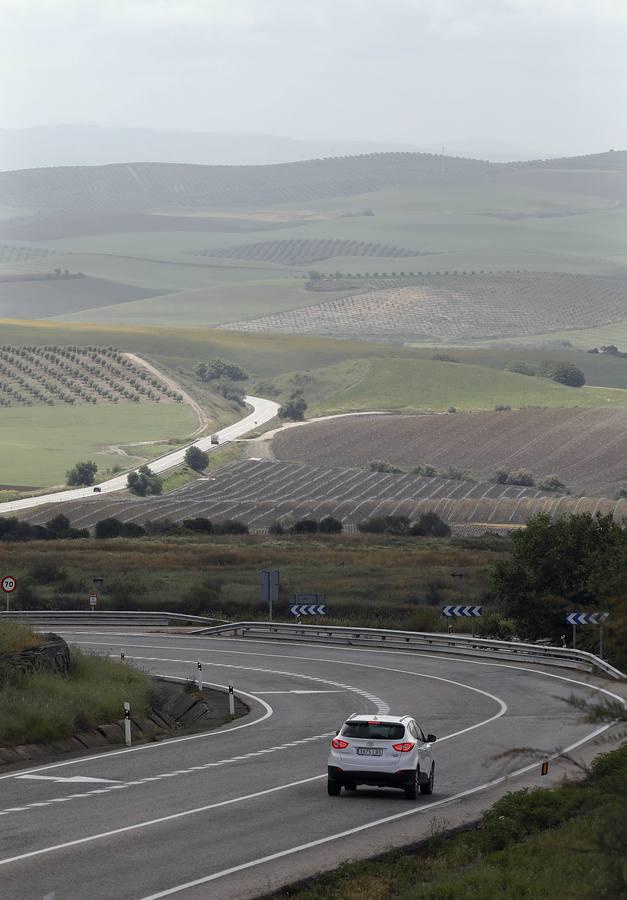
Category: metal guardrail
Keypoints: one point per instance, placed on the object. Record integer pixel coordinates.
(424, 641)
(333, 634)
(104, 617)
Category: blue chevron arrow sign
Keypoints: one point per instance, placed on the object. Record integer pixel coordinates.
(462, 610)
(308, 610)
(587, 618)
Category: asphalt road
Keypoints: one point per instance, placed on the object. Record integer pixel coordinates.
(263, 411)
(236, 811)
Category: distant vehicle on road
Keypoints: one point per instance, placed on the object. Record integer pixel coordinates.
(215, 438)
(381, 751)
(97, 490)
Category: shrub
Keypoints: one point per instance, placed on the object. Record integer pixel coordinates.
(522, 478)
(379, 466)
(501, 476)
(452, 409)
(196, 458)
(426, 470)
(564, 373)
(294, 408)
(330, 525)
(431, 524)
(45, 571)
(108, 528)
(501, 407)
(552, 483)
(444, 357)
(144, 482)
(83, 473)
(521, 368)
(385, 525)
(230, 526)
(276, 528)
(199, 524)
(306, 526)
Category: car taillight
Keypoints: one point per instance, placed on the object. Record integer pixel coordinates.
(405, 747)
(339, 744)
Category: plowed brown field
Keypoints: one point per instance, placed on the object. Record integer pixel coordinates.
(586, 448)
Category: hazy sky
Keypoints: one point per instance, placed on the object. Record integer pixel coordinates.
(542, 74)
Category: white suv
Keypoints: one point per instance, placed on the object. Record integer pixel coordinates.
(385, 751)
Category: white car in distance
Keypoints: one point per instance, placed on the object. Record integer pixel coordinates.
(381, 751)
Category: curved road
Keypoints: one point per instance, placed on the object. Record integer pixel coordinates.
(263, 411)
(237, 812)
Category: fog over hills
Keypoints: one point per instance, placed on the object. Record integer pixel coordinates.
(92, 145)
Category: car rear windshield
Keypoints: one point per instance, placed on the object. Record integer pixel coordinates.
(378, 731)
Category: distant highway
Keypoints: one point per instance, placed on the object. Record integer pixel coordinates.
(237, 812)
(263, 411)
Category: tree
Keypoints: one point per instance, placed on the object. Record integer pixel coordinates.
(200, 525)
(564, 373)
(430, 524)
(306, 526)
(144, 482)
(572, 564)
(108, 528)
(330, 525)
(83, 473)
(196, 459)
(294, 407)
(218, 368)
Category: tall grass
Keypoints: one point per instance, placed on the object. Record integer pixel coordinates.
(14, 636)
(45, 706)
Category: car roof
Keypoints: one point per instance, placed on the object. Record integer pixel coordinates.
(383, 719)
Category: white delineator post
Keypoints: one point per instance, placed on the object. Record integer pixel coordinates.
(231, 699)
(199, 666)
(127, 724)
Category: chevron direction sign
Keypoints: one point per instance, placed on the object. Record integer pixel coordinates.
(308, 610)
(587, 618)
(462, 610)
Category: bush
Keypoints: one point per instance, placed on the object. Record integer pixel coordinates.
(306, 526)
(425, 470)
(501, 407)
(552, 483)
(196, 459)
(45, 571)
(452, 409)
(83, 473)
(521, 477)
(330, 525)
(522, 368)
(564, 373)
(230, 526)
(217, 368)
(385, 525)
(430, 524)
(108, 528)
(379, 466)
(144, 482)
(276, 528)
(294, 408)
(200, 525)
(501, 475)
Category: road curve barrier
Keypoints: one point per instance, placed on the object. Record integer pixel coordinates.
(423, 641)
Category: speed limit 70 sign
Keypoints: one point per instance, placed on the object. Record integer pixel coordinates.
(8, 584)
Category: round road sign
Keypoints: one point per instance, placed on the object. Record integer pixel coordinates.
(8, 584)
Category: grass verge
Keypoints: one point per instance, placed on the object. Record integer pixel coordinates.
(46, 706)
(567, 841)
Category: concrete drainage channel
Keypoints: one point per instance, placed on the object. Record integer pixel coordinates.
(181, 709)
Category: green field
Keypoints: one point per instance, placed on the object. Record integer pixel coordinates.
(39, 444)
(425, 385)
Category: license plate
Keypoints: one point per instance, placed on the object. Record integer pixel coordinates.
(367, 751)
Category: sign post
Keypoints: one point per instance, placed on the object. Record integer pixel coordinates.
(465, 611)
(8, 585)
(582, 618)
(93, 601)
(270, 589)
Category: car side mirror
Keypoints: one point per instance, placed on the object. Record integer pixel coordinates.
(431, 738)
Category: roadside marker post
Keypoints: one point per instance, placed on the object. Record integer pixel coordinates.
(583, 618)
(231, 700)
(127, 724)
(270, 589)
(122, 655)
(464, 611)
(8, 585)
(545, 767)
(199, 667)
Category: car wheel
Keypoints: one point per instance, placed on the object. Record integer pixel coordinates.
(427, 787)
(334, 788)
(411, 790)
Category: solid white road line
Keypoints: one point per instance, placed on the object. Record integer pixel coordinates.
(83, 779)
(350, 831)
